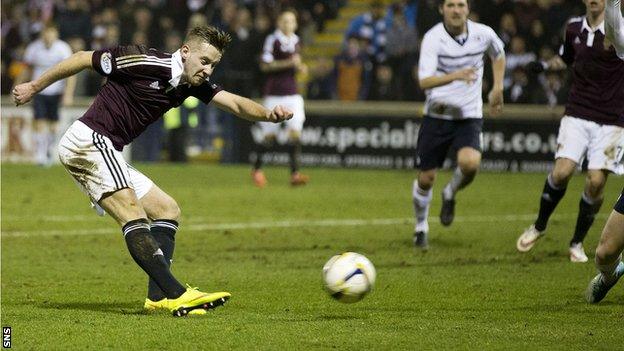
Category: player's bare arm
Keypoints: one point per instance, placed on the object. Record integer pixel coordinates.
(249, 109)
(614, 25)
(77, 62)
(495, 97)
(468, 75)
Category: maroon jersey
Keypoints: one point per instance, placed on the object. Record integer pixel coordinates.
(597, 92)
(142, 85)
(278, 46)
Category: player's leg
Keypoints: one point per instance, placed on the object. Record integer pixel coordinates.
(101, 170)
(123, 205)
(164, 212)
(434, 140)
(573, 141)
(268, 140)
(421, 199)
(468, 162)
(467, 142)
(589, 205)
(269, 132)
(294, 127)
(40, 130)
(554, 188)
(53, 106)
(605, 155)
(609, 255)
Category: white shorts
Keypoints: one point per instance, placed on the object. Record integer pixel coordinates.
(292, 102)
(603, 145)
(95, 164)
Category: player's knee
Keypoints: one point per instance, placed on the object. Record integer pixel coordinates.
(470, 167)
(561, 177)
(595, 185)
(605, 252)
(426, 180)
(171, 210)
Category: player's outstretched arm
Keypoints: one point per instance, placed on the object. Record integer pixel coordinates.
(614, 25)
(24, 92)
(248, 109)
(495, 97)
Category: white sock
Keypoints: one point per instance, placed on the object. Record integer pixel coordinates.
(454, 184)
(608, 270)
(50, 147)
(41, 147)
(421, 199)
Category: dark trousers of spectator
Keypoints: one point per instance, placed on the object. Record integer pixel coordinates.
(402, 76)
(176, 144)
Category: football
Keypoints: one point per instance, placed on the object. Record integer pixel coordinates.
(348, 277)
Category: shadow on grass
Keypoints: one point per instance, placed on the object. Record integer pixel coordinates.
(124, 308)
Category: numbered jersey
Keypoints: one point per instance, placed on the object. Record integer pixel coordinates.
(597, 92)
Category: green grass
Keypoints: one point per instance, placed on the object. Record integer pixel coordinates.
(68, 282)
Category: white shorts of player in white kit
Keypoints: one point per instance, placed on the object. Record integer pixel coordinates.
(96, 166)
(292, 102)
(603, 145)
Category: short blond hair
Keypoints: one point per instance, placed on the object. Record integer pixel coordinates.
(209, 34)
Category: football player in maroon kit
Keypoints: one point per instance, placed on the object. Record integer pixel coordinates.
(592, 127)
(280, 62)
(142, 85)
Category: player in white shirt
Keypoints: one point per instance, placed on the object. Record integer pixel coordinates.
(451, 71)
(39, 56)
(609, 250)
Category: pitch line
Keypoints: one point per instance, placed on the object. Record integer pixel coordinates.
(207, 227)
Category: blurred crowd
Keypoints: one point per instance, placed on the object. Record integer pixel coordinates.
(377, 60)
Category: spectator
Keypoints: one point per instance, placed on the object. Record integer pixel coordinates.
(402, 51)
(372, 27)
(352, 71)
(321, 84)
(518, 90)
(74, 20)
(507, 28)
(383, 88)
(240, 61)
(517, 56)
(537, 36)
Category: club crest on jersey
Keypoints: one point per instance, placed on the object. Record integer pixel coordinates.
(106, 63)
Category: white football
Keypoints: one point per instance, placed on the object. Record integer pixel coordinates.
(348, 277)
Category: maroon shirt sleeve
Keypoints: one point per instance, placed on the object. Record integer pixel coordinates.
(566, 51)
(103, 61)
(206, 91)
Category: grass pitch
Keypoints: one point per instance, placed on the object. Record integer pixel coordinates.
(68, 282)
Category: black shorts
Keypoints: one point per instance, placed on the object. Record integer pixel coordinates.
(437, 136)
(47, 106)
(619, 204)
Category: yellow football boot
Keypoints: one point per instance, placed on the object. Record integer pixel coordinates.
(193, 300)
